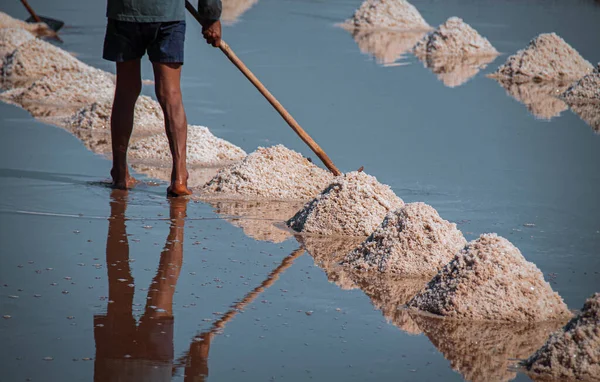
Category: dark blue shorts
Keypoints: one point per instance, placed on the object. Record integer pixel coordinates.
(125, 41)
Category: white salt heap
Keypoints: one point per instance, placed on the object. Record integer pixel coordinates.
(354, 204)
(269, 173)
(412, 241)
(547, 58)
(572, 353)
(589, 113)
(586, 90)
(35, 59)
(11, 38)
(387, 14)
(38, 29)
(202, 148)
(454, 38)
(490, 280)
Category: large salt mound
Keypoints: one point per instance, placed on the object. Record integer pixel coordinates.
(586, 90)
(484, 351)
(574, 351)
(202, 148)
(39, 29)
(269, 173)
(490, 280)
(540, 98)
(35, 59)
(454, 71)
(547, 58)
(233, 9)
(387, 14)
(64, 90)
(412, 241)
(353, 204)
(454, 38)
(589, 113)
(386, 46)
(11, 38)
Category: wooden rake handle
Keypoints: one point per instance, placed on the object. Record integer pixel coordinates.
(272, 100)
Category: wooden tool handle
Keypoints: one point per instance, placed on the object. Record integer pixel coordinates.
(31, 11)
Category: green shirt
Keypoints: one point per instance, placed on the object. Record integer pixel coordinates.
(153, 11)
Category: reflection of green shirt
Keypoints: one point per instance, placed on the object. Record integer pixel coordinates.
(152, 11)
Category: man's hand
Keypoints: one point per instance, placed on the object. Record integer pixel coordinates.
(212, 33)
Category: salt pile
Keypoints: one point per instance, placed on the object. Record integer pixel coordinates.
(547, 58)
(35, 59)
(589, 113)
(202, 148)
(38, 29)
(11, 38)
(586, 90)
(269, 173)
(260, 220)
(454, 38)
(574, 351)
(386, 46)
(484, 351)
(540, 98)
(412, 241)
(354, 204)
(327, 253)
(233, 9)
(490, 280)
(387, 14)
(64, 89)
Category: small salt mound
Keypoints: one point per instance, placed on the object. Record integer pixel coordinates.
(148, 117)
(64, 89)
(234, 9)
(589, 113)
(541, 98)
(484, 351)
(354, 204)
(490, 280)
(202, 148)
(412, 241)
(38, 29)
(547, 58)
(387, 14)
(35, 59)
(11, 38)
(586, 90)
(574, 351)
(454, 38)
(454, 71)
(386, 46)
(269, 173)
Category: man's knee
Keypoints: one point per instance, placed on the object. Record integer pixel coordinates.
(168, 96)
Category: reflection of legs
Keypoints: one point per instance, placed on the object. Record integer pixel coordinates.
(129, 86)
(168, 92)
(196, 368)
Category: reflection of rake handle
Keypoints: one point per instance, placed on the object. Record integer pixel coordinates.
(251, 296)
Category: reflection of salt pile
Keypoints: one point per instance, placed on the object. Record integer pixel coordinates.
(586, 90)
(541, 98)
(589, 113)
(35, 59)
(413, 240)
(455, 52)
(482, 351)
(490, 280)
(257, 218)
(233, 9)
(547, 58)
(202, 148)
(353, 204)
(63, 90)
(269, 173)
(39, 29)
(574, 351)
(389, 294)
(387, 14)
(327, 252)
(11, 38)
(385, 45)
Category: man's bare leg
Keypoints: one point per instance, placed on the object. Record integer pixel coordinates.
(167, 77)
(129, 86)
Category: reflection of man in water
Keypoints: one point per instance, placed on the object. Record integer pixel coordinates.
(125, 350)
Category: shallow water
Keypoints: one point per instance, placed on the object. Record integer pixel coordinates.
(473, 152)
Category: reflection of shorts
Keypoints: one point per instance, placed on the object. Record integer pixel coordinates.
(127, 40)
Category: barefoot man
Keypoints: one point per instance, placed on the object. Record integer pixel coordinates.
(157, 27)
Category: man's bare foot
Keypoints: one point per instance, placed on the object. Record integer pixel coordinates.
(178, 189)
(122, 182)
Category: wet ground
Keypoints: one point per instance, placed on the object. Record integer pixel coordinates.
(112, 286)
